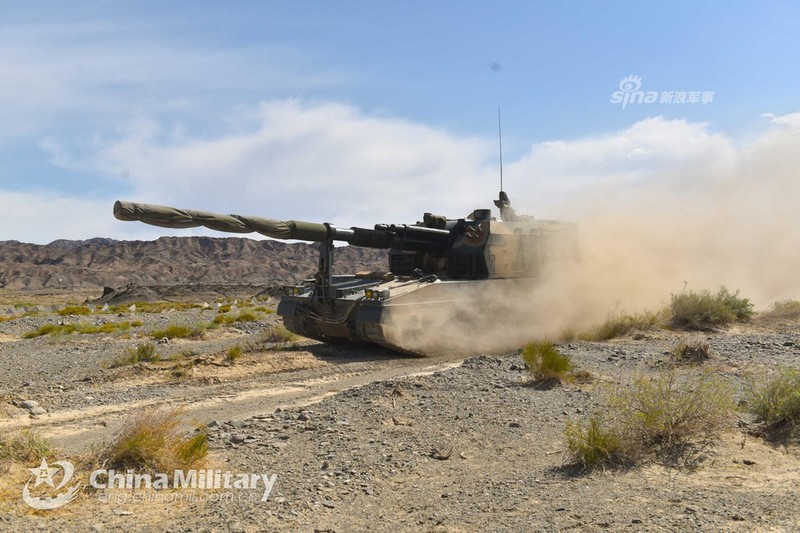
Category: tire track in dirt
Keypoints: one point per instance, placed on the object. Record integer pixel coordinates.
(242, 397)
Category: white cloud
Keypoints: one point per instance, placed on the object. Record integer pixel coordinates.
(651, 151)
(41, 217)
(324, 162)
(791, 120)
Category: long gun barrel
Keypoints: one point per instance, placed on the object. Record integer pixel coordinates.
(402, 237)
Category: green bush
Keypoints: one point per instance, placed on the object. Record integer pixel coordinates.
(704, 310)
(775, 399)
(673, 410)
(594, 444)
(545, 362)
(671, 417)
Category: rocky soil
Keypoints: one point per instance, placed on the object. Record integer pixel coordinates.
(362, 439)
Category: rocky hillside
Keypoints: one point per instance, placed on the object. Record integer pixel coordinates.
(168, 260)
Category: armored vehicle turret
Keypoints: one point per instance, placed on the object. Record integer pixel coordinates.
(440, 270)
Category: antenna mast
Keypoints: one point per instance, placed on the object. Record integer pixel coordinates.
(500, 138)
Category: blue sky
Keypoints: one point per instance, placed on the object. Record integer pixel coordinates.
(365, 112)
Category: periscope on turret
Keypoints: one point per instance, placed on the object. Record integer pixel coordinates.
(430, 264)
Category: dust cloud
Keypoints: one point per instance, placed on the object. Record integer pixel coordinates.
(735, 224)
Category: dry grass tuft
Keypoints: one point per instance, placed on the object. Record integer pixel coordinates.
(25, 446)
(152, 443)
(691, 352)
(143, 353)
(783, 309)
(175, 331)
(618, 324)
(233, 353)
(81, 328)
(243, 316)
(279, 333)
(72, 310)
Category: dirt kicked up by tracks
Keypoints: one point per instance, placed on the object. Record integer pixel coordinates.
(363, 440)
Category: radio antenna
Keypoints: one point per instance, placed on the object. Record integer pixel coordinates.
(500, 138)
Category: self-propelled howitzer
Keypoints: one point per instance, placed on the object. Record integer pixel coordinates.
(438, 268)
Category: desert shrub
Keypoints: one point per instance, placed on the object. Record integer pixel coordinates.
(82, 328)
(783, 309)
(594, 444)
(775, 400)
(182, 371)
(25, 446)
(243, 316)
(224, 308)
(175, 331)
(72, 310)
(673, 410)
(618, 324)
(262, 309)
(233, 353)
(691, 352)
(142, 353)
(279, 333)
(152, 442)
(246, 316)
(183, 355)
(704, 310)
(545, 362)
(48, 329)
(108, 327)
(153, 307)
(673, 417)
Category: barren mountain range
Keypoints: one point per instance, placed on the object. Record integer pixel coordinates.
(101, 262)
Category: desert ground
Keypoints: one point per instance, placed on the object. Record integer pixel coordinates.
(363, 439)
